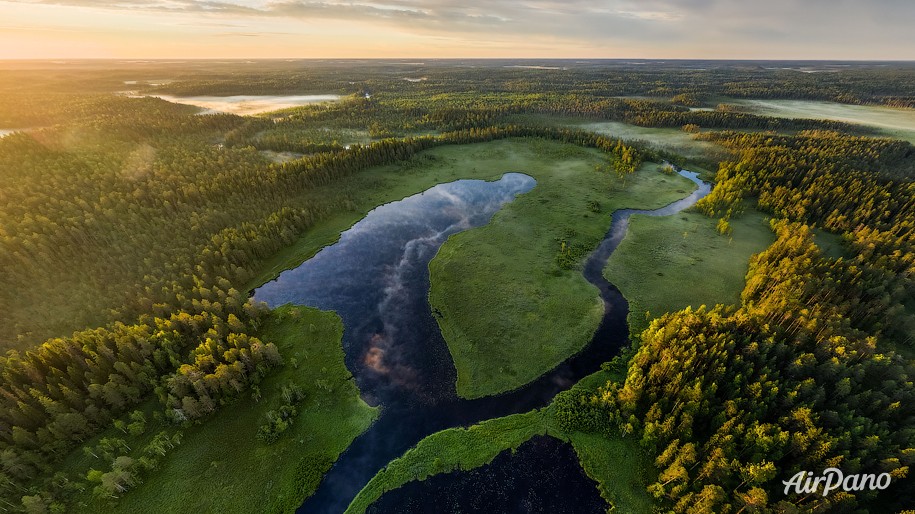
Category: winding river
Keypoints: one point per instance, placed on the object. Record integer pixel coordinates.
(376, 278)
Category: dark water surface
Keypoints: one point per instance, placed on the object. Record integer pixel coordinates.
(541, 477)
(377, 279)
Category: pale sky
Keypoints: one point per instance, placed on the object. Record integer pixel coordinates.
(735, 29)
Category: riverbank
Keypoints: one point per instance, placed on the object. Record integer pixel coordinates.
(618, 466)
(507, 306)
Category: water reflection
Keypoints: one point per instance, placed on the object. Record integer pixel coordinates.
(377, 279)
(542, 476)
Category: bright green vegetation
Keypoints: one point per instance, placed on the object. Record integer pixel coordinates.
(383, 184)
(675, 142)
(617, 464)
(894, 122)
(687, 395)
(221, 466)
(619, 467)
(666, 263)
(455, 449)
(509, 297)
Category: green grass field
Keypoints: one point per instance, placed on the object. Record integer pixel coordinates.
(220, 466)
(368, 189)
(619, 469)
(618, 466)
(507, 310)
(667, 263)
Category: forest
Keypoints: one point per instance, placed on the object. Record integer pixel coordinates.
(810, 370)
(133, 230)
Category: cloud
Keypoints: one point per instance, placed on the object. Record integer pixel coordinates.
(711, 27)
(471, 16)
(193, 6)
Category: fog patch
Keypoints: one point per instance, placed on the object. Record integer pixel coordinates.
(139, 162)
(245, 105)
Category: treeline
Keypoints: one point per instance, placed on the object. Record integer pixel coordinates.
(847, 83)
(402, 114)
(733, 402)
(725, 119)
(857, 83)
(118, 116)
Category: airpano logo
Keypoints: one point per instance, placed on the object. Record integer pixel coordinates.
(833, 479)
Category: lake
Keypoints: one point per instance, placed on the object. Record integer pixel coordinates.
(245, 105)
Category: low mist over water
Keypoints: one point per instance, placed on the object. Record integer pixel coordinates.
(894, 122)
(248, 104)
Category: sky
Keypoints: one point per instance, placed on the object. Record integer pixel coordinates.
(664, 29)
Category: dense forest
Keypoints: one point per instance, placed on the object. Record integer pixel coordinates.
(805, 374)
(131, 229)
(847, 82)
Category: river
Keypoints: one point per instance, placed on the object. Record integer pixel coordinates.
(376, 278)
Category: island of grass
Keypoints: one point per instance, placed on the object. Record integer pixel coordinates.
(667, 263)
(510, 297)
(617, 465)
(221, 465)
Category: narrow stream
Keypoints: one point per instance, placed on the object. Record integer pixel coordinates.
(376, 278)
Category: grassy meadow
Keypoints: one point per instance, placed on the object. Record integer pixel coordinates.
(508, 311)
(455, 449)
(666, 263)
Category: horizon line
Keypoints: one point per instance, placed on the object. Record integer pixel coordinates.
(469, 58)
